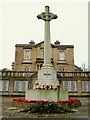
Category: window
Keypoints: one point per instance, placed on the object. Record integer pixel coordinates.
(61, 55)
(27, 54)
(26, 71)
(62, 70)
(85, 86)
(4, 84)
(21, 86)
(26, 68)
(70, 86)
(39, 67)
(42, 53)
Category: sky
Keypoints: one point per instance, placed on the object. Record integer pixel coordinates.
(19, 25)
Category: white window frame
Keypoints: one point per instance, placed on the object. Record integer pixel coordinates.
(69, 86)
(20, 85)
(4, 83)
(27, 54)
(85, 86)
(61, 55)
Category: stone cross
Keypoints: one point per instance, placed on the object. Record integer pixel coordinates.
(47, 17)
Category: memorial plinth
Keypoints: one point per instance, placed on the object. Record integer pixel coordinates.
(47, 76)
(51, 95)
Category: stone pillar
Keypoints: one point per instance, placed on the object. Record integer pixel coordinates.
(79, 88)
(11, 86)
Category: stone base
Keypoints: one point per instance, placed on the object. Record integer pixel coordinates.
(51, 95)
(47, 75)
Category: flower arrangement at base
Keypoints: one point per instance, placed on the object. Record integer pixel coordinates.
(23, 103)
(18, 102)
(45, 106)
(71, 102)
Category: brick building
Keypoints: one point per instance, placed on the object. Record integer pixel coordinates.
(30, 57)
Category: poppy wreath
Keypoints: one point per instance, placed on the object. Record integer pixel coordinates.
(45, 106)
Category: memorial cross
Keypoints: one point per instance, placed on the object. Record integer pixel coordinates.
(47, 17)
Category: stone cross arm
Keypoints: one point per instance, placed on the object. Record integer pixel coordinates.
(47, 16)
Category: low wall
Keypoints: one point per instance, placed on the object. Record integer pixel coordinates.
(15, 83)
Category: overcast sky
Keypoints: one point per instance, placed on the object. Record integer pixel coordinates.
(20, 25)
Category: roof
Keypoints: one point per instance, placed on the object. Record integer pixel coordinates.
(35, 45)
